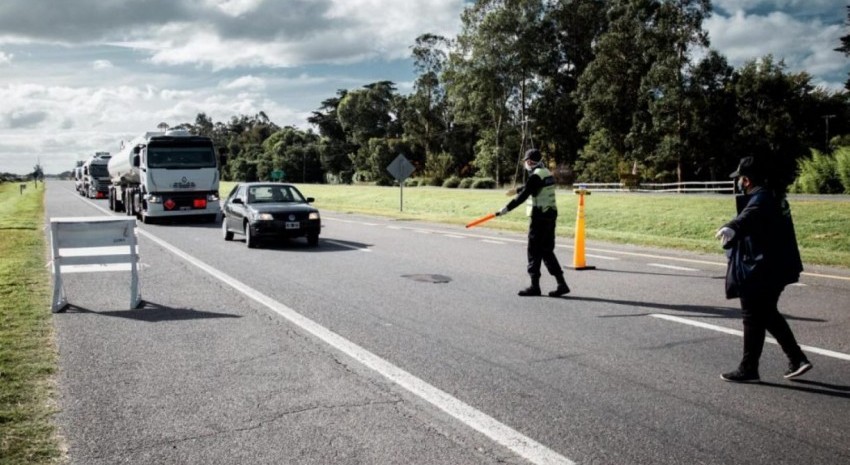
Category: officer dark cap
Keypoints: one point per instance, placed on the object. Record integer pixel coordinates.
(749, 167)
(532, 154)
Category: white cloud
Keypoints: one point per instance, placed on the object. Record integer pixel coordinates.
(804, 45)
(5, 58)
(102, 64)
(245, 82)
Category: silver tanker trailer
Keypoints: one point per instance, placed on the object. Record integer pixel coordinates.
(165, 174)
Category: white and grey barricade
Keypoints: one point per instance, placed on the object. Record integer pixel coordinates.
(91, 244)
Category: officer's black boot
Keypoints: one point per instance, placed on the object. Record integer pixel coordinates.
(532, 290)
(562, 287)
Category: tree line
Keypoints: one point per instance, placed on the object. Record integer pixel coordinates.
(606, 89)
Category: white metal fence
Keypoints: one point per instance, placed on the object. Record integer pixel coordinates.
(719, 187)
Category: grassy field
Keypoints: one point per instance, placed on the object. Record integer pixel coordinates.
(680, 221)
(27, 354)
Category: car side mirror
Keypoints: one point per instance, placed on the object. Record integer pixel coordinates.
(311, 199)
(237, 200)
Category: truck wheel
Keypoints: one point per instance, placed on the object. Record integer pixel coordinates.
(228, 235)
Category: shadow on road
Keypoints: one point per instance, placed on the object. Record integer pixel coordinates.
(823, 392)
(300, 245)
(707, 311)
(154, 313)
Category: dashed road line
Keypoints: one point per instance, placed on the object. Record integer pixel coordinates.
(735, 332)
(671, 267)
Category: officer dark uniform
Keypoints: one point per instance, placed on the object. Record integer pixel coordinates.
(539, 194)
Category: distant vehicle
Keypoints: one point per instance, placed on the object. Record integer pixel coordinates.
(262, 210)
(78, 180)
(165, 174)
(95, 176)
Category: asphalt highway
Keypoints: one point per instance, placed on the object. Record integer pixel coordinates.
(398, 342)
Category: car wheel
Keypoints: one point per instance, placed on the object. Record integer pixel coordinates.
(228, 236)
(313, 240)
(250, 241)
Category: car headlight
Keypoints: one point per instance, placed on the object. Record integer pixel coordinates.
(264, 216)
(313, 216)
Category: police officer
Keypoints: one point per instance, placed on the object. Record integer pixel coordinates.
(539, 195)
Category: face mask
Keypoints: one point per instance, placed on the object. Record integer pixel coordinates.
(740, 184)
(529, 166)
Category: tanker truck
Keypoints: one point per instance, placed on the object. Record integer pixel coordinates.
(165, 174)
(95, 176)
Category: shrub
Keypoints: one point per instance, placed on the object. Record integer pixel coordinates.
(452, 182)
(411, 182)
(466, 183)
(818, 175)
(483, 183)
(842, 166)
(426, 181)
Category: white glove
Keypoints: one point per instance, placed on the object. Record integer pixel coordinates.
(725, 234)
(503, 211)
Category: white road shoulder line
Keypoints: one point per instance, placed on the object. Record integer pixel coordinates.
(520, 444)
(671, 267)
(500, 433)
(492, 242)
(735, 332)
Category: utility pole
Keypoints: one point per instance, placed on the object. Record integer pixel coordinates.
(826, 119)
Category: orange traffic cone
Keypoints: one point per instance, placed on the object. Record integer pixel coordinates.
(579, 262)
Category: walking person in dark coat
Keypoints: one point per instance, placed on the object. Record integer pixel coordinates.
(763, 259)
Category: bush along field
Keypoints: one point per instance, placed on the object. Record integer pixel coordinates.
(27, 354)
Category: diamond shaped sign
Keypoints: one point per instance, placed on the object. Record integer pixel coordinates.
(400, 168)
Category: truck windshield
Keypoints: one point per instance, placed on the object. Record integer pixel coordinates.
(181, 156)
(98, 171)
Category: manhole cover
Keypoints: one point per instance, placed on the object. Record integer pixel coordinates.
(428, 278)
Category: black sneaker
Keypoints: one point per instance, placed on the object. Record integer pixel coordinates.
(796, 369)
(740, 376)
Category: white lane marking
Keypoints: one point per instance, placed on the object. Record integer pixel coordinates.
(421, 231)
(800, 284)
(455, 236)
(361, 249)
(502, 434)
(371, 224)
(671, 267)
(492, 242)
(735, 332)
(601, 257)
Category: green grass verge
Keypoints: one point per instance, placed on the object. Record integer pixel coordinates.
(679, 221)
(27, 352)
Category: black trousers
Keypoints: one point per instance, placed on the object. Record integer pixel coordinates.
(541, 246)
(761, 314)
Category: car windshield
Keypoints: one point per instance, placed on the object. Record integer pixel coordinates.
(274, 194)
(181, 156)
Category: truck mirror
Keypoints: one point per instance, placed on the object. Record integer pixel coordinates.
(136, 160)
(136, 150)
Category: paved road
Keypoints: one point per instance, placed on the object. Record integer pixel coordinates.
(401, 342)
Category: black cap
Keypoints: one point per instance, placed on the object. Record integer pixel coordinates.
(532, 154)
(749, 167)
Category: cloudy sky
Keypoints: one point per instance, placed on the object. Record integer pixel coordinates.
(78, 76)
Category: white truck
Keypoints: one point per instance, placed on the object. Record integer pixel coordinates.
(165, 174)
(95, 176)
(78, 179)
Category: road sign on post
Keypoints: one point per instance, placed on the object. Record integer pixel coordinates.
(401, 168)
(277, 175)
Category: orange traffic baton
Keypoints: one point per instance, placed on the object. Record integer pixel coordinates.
(483, 219)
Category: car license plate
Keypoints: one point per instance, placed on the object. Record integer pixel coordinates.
(292, 225)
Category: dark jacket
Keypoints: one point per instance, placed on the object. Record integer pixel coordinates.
(763, 254)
